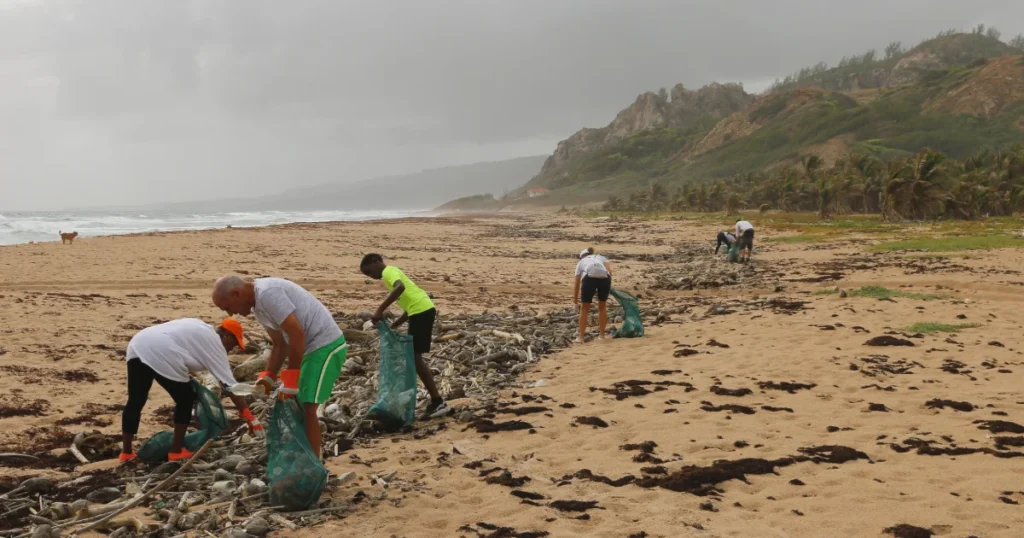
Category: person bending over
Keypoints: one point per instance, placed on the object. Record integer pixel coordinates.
(305, 339)
(593, 277)
(419, 311)
(168, 353)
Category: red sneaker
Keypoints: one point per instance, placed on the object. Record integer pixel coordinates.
(183, 455)
(126, 457)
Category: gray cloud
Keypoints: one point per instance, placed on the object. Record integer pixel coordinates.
(114, 102)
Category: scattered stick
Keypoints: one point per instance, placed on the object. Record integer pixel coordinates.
(159, 487)
(15, 456)
(78, 454)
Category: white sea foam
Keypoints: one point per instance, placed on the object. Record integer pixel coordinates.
(44, 226)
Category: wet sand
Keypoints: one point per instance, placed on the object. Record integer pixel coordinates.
(816, 433)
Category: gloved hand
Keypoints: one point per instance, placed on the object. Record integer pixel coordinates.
(290, 383)
(255, 428)
(267, 380)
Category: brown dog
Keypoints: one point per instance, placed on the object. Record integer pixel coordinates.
(68, 238)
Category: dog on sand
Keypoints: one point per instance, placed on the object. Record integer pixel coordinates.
(68, 238)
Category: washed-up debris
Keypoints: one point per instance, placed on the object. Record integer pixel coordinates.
(693, 269)
(574, 506)
(722, 391)
(507, 479)
(596, 422)
(646, 452)
(638, 387)
(881, 364)
(904, 530)
(925, 447)
(224, 490)
(886, 340)
(785, 386)
(999, 426)
(488, 530)
(938, 403)
(731, 408)
(703, 480)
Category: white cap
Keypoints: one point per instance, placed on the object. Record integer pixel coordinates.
(584, 252)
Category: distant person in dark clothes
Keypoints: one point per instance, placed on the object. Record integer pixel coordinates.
(745, 231)
(419, 311)
(725, 238)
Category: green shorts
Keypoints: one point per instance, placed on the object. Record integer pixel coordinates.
(320, 369)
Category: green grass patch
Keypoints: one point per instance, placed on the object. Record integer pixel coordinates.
(881, 292)
(929, 327)
(951, 244)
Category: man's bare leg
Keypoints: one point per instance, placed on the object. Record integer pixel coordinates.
(312, 427)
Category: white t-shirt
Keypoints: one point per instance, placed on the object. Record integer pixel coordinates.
(743, 226)
(592, 266)
(277, 298)
(176, 348)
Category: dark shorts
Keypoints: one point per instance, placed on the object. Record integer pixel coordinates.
(747, 240)
(421, 329)
(590, 286)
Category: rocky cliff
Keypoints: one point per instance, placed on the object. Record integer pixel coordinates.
(955, 94)
(651, 111)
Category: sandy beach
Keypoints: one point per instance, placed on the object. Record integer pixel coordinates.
(766, 411)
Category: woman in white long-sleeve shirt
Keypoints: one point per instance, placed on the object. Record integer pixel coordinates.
(593, 277)
(168, 353)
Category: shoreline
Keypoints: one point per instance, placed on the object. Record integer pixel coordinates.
(424, 214)
(55, 222)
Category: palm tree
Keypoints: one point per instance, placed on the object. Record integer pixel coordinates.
(926, 185)
(921, 193)
(732, 204)
(893, 183)
(826, 198)
(811, 164)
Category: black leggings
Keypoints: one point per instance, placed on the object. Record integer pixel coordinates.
(140, 379)
(723, 239)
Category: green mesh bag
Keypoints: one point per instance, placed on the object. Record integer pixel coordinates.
(396, 385)
(632, 325)
(294, 473)
(212, 421)
(733, 256)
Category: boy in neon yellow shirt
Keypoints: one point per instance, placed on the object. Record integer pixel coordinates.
(419, 311)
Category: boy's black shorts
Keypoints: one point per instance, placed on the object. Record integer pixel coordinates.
(590, 286)
(747, 240)
(421, 328)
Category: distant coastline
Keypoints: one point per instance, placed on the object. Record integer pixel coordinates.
(43, 226)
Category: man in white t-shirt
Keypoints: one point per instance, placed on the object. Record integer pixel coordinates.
(169, 353)
(304, 334)
(745, 233)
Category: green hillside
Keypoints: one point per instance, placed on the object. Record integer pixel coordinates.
(980, 110)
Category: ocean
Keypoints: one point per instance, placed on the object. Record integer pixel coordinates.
(40, 226)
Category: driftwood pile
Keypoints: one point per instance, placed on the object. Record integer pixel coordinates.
(222, 491)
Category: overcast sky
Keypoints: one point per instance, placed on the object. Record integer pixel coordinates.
(110, 102)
